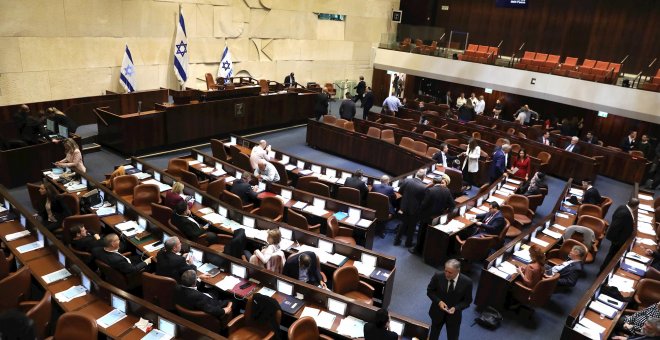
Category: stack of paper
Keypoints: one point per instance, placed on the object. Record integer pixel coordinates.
(562, 215)
(207, 170)
(645, 228)
(363, 269)
(156, 334)
(289, 167)
(451, 227)
(551, 233)
(325, 319)
(123, 226)
(523, 255)
(29, 247)
(644, 218)
(336, 259)
(111, 318)
(105, 211)
(56, 276)
(645, 197)
(305, 172)
(496, 199)
(352, 220)
(214, 218)
(71, 293)
(504, 192)
(621, 283)
(509, 186)
(195, 162)
(637, 257)
(152, 248)
(315, 210)
(592, 329)
(218, 172)
(266, 291)
(228, 283)
(602, 308)
(610, 301)
(309, 311)
(477, 211)
(16, 236)
(515, 181)
(300, 205)
(364, 223)
(141, 175)
(589, 333)
(633, 267)
(646, 207)
(508, 267)
(576, 191)
(646, 241)
(539, 242)
(351, 327)
(560, 227)
(76, 187)
(499, 272)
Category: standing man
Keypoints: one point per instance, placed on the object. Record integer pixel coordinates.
(412, 192)
(630, 142)
(437, 200)
(321, 105)
(450, 293)
(360, 88)
(500, 161)
(473, 99)
(573, 147)
(395, 83)
(497, 110)
(448, 99)
(481, 106)
(367, 103)
(386, 189)
(290, 80)
(347, 108)
(443, 157)
(621, 227)
(460, 101)
(392, 104)
(356, 182)
(259, 151)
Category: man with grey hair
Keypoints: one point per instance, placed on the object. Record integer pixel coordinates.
(569, 271)
(187, 296)
(111, 256)
(500, 162)
(266, 172)
(412, 193)
(573, 146)
(386, 189)
(169, 261)
(259, 152)
(450, 293)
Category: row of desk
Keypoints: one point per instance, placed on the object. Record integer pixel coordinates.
(96, 302)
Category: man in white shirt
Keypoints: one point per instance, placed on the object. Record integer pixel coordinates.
(460, 101)
(569, 270)
(473, 99)
(573, 147)
(480, 106)
(392, 104)
(259, 152)
(266, 171)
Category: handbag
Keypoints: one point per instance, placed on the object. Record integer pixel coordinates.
(489, 318)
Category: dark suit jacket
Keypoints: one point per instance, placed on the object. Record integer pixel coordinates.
(437, 199)
(288, 80)
(118, 262)
(412, 193)
(368, 100)
(594, 140)
(187, 227)
(361, 87)
(347, 109)
(438, 158)
(356, 183)
(243, 189)
(592, 196)
(621, 226)
(86, 243)
(171, 265)
(626, 145)
(388, 191)
(494, 226)
(576, 148)
(498, 167)
(31, 130)
(60, 212)
(292, 268)
(540, 140)
(321, 105)
(372, 332)
(460, 299)
(64, 120)
(195, 300)
(569, 275)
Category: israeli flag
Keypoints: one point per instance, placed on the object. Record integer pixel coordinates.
(127, 76)
(181, 51)
(226, 69)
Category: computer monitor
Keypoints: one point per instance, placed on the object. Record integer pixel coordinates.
(248, 221)
(61, 258)
(197, 255)
(166, 326)
(284, 287)
(23, 221)
(326, 246)
(238, 271)
(286, 233)
(118, 303)
(336, 306)
(63, 131)
(50, 125)
(85, 282)
(396, 326)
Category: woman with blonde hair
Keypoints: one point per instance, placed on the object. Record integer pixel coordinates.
(73, 158)
(175, 195)
(271, 257)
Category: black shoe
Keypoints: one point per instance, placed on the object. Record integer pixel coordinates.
(397, 242)
(413, 251)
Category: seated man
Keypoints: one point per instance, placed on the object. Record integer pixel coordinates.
(168, 261)
(386, 189)
(534, 186)
(259, 151)
(243, 189)
(443, 157)
(187, 296)
(110, 255)
(84, 241)
(636, 323)
(379, 329)
(569, 271)
(591, 194)
(266, 172)
(303, 267)
(356, 182)
(492, 222)
(188, 226)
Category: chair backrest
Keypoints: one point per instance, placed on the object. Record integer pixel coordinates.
(276, 262)
(6, 263)
(345, 279)
(92, 223)
(161, 213)
(145, 194)
(647, 292)
(158, 290)
(373, 132)
(123, 185)
(242, 161)
(510, 131)
(113, 276)
(431, 151)
(15, 288)
(588, 63)
(190, 178)
(515, 148)
(271, 207)
(535, 201)
(329, 119)
(297, 220)
(429, 133)
(380, 203)
(210, 82)
(201, 318)
(76, 325)
(350, 195)
(529, 55)
(606, 204)
(553, 58)
(216, 188)
(387, 135)
(570, 61)
(636, 153)
(37, 200)
(303, 182)
(84, 256)
(594, 223)
(456, 181)
(349, 126)
(406, 142)
(477, 248)
(250, 320)
(340, 122)
(71, 201)
(232, 199)
(281, 170)
(218, 150)
(263, 83)
(541, 57)
(507, 212)
(175, 165)
(544, 157)
(304, 329)
(319, 189)
(333, 227)
(519, 203)
(41, 315)
(602, 65)
(542, 291)
(590, 210)
(420, 147)
(472, 47)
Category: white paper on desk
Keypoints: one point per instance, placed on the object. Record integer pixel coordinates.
(130, 233)
(195, 162)
(151, 248)
(156, 334)
(638, 257)
(315, 210)
(515, 181)
(646, 241)
(266, 291)
(161, 186)
(309, 311)
(105, 211)
(325, 320)
(111, 318)
(351, 327)
(205, 211)
(623, 284)
(141, 175)
(592, 325)
(289, 167)
(589, 333)
(336, 259)
(477, 211)
(646, 207)
(551, 233)
(76, 187)
(285, 244)
(635, 264)
(261, 235)
(503, 192)
(300, 205)
(56, 276)
(499, 272)
(576, 191)
(352, 220)
(645, 197)
(228, 283)
(496, 199)
(126, 225)
(602, 308)
(363, 269)
(539, 242)
(207, 170)
(645, 228)
(508, 267)
(29, 247)
(523, 254)
(644, 218)
(214, 218)
(509, 186)
(306, 172)
(610, 301)
(219, 172)
(16, 236)
(560, 227)
(71, 293)
(364, 223)
(2, 209)
(562, 215)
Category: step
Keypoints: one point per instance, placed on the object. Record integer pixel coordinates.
(91, 147)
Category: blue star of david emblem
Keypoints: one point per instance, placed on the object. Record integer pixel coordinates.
(225, 65)
(128, 70)
(181, 48)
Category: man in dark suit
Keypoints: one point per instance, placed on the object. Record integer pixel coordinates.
(412, 192)
(84, 241)
(321, 105)
(356, 182)
(367, 103)
(621, 227)
(168, 261)
(360, 88)
(243, 189)
(591, 194)
(573, 145)
(545, 139)
(569, 271)
(187, 296)
(304, 267)
(499, 163)
(630, 142)
(447, 99)
(347, 108)
(386, 189)
(437, 201)
(188, 226)
(110, 255)
(378, 330)
(290, 80)
(450, 293)
(443, 157)
(591, 138)
(492, 222)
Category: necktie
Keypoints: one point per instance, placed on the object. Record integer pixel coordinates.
(450, 287)
(569, 147)
(489, 218)
(444, 160)
(545, 141)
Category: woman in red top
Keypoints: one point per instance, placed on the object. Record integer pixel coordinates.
(522, 164)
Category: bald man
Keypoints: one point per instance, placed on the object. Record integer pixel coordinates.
(266, 172)
(259, 152)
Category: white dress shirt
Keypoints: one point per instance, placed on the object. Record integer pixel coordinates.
(258, 153)
(480, 107)
(269, 174)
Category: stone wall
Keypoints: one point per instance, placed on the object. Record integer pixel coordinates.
(53, 49)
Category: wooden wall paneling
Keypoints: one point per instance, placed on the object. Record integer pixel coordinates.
(380, 85)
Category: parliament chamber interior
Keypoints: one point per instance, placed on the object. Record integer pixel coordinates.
(278, 169)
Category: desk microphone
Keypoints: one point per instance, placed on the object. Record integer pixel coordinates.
(139, 107)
